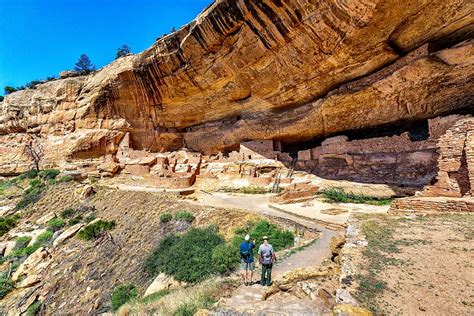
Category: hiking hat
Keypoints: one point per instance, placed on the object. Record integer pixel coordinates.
(247, 237)
(265, 238)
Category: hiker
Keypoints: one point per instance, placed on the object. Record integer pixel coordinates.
(246, 259)
(266, 257)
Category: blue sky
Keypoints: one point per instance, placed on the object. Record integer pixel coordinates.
(40, 38)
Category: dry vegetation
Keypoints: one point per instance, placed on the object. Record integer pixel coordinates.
(418, 264)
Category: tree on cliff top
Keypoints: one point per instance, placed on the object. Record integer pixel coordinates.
(9, 89)
(123, 50)
(84, 65)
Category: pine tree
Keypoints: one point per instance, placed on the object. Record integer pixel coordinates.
(84, 65)
(123, 50)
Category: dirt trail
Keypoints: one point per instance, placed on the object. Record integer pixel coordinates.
(248, 299)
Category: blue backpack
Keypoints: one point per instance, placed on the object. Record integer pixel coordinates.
(246, 253)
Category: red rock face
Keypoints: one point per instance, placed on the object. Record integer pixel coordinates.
(246, 70)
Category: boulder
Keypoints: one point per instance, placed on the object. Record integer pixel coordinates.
(86, 192)
(29, 281)
(344, 297)
(28, 266)
(162, 282)
(45, 218)
(68, 233)
(109, 166)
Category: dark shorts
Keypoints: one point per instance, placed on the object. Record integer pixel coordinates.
(247, 265)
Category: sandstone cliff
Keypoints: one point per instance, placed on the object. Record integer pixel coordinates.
(268, 69)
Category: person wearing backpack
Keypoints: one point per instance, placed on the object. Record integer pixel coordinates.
(266, 258)
(246, 259)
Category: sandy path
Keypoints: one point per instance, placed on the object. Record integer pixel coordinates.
(248, 299)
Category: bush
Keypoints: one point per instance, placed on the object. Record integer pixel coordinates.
(33, 173)
(166, 217)
(187, 257)
(44, 238)
(6, 285)
(184, 216)
(225, 258)
(123, 294)
(7, 223)
(65, 179)
(49, 174)
(76, 220)
(56, 224)
(90, 218)
(34, 309)
(338, 195)
(93, 231)
(68, 212)
(22, 242)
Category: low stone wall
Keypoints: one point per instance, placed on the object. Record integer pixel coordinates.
(428, 205)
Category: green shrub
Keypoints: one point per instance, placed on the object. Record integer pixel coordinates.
(33, 173)
(123, 294)
(225, 258)
(90, 218)
(6, 285)
(67, 213)
(22, 242)
(187, 257)
(338, 195)
(184, 216)
(65, 179)
(44, 238)
(34, 308)
(75, 220)
(56, 224)
(49, 174)
(7, 223)
(93, 231)
(166, 217)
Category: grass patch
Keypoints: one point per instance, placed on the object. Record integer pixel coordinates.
(93, 231)
(166, 217)
(184, 216)
(7, 223)
(338, 195)
(123, 294)
(369, 289)
(154, 297)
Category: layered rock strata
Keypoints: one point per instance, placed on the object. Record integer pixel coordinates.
(276, 70)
